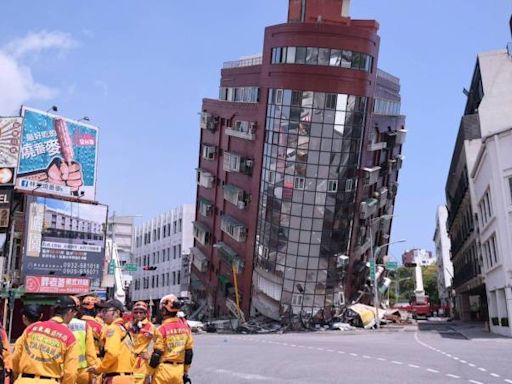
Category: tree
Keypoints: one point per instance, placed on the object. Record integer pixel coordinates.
(430, 283)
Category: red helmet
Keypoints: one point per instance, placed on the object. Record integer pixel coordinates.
(140, 305)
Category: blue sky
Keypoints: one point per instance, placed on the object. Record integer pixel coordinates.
(140, 69)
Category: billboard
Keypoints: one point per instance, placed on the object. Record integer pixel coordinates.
(64, 239)
(5, 207)
(57, 156)
(10, 134)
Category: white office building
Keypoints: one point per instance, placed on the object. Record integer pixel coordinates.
(492, 183)
(161, 246)
(444, 264)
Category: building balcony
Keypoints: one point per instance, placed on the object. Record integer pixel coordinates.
(235, 196)
(205, 179)
(399, 161)
(368, 207)
(383, 196)
(243, 62)
(400, 136)
(362, 248)
(205, 207)
(233, 228)
(234, 162)
(202, 233)
(208, 152)
(243, 130)
(371, 175)
(209, 122)
(199, 260)
(230, 256)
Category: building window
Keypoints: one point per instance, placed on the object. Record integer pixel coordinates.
(209, 152)
(180, 223)
(332, 186)
(485, 208)
(179, 277)
(174, 278)
(299, 183)
(233, 228)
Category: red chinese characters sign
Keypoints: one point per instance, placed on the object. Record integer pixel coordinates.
(60, 285)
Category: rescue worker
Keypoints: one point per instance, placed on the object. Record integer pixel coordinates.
(50, 351)
(89, 312)
(143, 335)
(85, 339)
(173, 354)
(118, 357)
(30, 314)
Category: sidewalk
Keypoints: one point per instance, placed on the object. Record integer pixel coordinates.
(476, 331)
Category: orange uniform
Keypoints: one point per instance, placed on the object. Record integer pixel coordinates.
(143, 336)
(173, 339)
(119, 360)
(96, 328)
(47, 352)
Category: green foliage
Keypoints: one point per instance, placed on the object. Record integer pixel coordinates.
(430, 283)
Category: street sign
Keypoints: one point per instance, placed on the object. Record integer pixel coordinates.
(372, 270)
(130, 267)
(111, 267)
(391, 265)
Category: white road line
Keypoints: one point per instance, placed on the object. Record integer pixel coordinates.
(292, 345)
(448, 355)
(508, 381)
(366, 357)
(482, 369)
(475, 382)
(455, 358)
(472, 365)
(330, 350)
(432, 370)
(463, 361)
(341, 352)
(494, 374)
(413, 365)
(381, 359)
(453, 376)
(397, 362)
(353, 354)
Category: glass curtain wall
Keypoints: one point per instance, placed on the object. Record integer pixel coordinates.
(311, 157)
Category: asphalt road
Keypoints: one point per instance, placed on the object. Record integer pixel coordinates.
(432, 354)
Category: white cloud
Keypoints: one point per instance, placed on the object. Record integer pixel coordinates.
(16, 82)
(18, 86)
(35, 42)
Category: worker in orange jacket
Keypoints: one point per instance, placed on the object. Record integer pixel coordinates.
(118, 360)
(173, 353)
(143, 335)
(50, 351)
(89, 313)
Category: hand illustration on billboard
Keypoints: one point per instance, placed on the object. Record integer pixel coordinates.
(61, 172)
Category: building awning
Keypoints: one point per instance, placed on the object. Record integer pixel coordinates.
(224, 248)
(371, 202)
(201, 226)
(198, 255)
(232, 188)
(231, 220)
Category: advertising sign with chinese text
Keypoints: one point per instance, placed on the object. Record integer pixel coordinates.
(58, 285)
(5, 206)
(57, 155)
(64, 239)
(10, 134)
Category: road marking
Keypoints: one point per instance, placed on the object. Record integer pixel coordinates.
(432, 370)
(413, 365)
(320, 349)
(381, 359)
(472, 365)
(456, 358)
(366, 357)
(353, 354)
(341, 352)
(247, 376)
(475, 382)
(494, 374)
(292, 345)
(330, 350)
(453, 376)
(482, 369)
(508, 381)
(463, 361)
(448, 355)
(397, 362)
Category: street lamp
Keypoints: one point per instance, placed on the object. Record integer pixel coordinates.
(374, 253)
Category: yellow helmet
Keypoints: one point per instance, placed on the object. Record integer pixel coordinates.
(168, 303)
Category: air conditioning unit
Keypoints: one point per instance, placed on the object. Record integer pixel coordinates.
(249, 163)
(241, 204)
(252, 127)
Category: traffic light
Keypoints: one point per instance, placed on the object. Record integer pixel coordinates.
(111, 267)
(149, 268)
